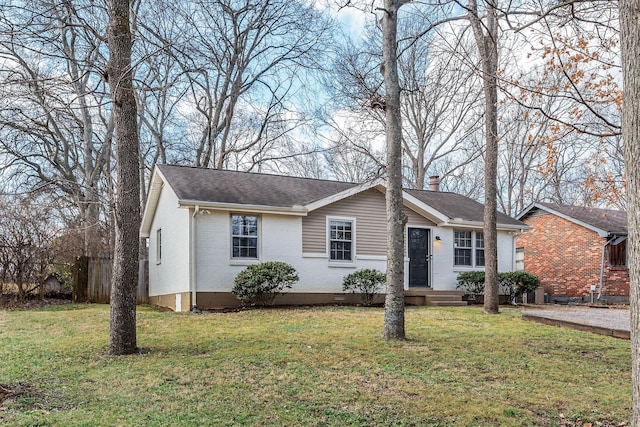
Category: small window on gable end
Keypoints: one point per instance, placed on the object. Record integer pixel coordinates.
(341, 240)
(244, 236)
(618, 253)
(159, 245)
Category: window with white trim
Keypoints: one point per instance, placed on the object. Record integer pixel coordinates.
(341, 239)
(479, 249)
(158, 245)
(244, 236)
(468, 248)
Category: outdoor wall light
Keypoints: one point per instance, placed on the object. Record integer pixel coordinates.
(438, 238)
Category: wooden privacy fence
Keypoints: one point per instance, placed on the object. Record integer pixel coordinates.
(92, 281)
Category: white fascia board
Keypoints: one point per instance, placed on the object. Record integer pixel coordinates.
(358, 188)
(153, 196)
(295, 210)
(601, 232)
(424, 209)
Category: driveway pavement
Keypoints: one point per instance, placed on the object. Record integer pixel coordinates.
(606, 321)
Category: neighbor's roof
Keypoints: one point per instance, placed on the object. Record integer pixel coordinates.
(199, 186)
(603, 221)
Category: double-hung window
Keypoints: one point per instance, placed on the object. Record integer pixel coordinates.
(479, 248)
(462, 248)
(468, 248)
(244, 236)
(341, 240)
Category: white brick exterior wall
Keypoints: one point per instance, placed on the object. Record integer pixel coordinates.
(444, 270)
(171, 275)
(280, 239)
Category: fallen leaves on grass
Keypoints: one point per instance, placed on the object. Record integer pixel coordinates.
(11, 303)
(7, 391)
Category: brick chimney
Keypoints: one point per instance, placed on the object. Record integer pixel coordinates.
(434, 183)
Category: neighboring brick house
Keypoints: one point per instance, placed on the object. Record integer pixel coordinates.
(578, 253)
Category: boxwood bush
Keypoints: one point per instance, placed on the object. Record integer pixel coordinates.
(512, 283)
(517, 283)
(260, 284)
(366, 282)
(472, 283)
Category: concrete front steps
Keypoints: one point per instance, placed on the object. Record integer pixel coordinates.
(427, 296)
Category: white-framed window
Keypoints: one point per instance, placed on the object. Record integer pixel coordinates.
(479, 248)
(468, 248)
(341, 239)
(244, 236)
(159, 246)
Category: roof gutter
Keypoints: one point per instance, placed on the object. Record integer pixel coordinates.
(480, 224)
(296, 210)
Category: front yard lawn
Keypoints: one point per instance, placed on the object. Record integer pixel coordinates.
(322, 366)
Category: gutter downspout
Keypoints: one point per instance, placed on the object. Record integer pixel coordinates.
(192, 259)
(604, 247)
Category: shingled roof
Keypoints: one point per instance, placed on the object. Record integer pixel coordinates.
(605, 221)
(456, 206)
(246, 188)
(200, 185)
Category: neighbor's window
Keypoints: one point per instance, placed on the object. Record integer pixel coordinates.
(618, 254)
(519, 259)
(340, 240)
(244, 236)
(468, 248)
(159, 245)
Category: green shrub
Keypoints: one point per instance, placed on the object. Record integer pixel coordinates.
(512, 283)
(517, 283)
(260, 284)
(471, 282)
(366, 282)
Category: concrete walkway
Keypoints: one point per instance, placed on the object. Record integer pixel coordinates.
(613, 322)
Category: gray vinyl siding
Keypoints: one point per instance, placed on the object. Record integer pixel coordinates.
(368, 208)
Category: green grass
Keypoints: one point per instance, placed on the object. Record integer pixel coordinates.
(323, 366)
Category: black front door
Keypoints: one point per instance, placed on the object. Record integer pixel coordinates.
(419, 257)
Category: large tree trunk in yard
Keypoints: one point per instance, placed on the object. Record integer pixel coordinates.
(486, 36)
(127, 211)
(396, 219)
(630, 45)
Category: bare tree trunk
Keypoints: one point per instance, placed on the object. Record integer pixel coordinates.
(630, 45)
(488, 49)
(127, 212)
(396, 218)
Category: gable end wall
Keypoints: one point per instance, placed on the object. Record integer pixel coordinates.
(171, 274)
(369, 209)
